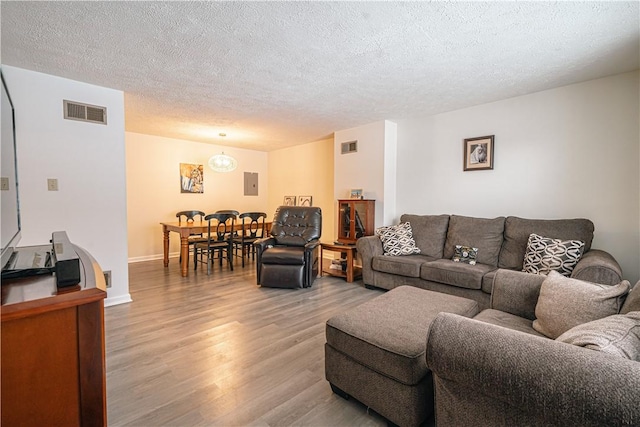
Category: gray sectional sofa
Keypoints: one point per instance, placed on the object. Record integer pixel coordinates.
(501, 244)
(497, 369)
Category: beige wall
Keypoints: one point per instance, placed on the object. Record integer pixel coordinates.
(305, 170)
(153, 187)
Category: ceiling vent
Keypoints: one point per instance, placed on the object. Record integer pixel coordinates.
(84, 112)
(349, 147)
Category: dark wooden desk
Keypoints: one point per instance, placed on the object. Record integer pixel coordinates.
(53, 352)
(186, 229)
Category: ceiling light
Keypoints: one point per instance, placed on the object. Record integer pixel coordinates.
(223, 163)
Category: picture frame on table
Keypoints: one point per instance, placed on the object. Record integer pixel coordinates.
(356, 193)
(478, 153)
(304, 201)
(289, 201)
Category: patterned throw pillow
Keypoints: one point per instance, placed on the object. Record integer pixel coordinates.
(397, 240)
(544, 255)
(465, 254)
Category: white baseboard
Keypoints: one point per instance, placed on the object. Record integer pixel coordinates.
(121, 299)
(152, 257)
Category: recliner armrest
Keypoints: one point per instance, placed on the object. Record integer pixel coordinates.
(497, 375)
(261, 244)
(311, 245)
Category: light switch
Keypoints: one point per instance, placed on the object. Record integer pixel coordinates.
(52, 184)
(4, 183)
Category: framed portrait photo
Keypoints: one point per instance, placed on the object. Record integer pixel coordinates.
(289, 201)
(478, 153)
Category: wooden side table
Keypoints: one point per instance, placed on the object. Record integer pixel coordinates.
(352, 272)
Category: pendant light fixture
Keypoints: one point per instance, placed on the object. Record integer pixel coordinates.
(223, 162)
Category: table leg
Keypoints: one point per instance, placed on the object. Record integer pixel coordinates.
(350, 265)
(184, 254)
(165, 233)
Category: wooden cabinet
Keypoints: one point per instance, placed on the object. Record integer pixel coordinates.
(53, 351)
(356, 218)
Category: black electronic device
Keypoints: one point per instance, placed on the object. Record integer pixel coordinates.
(66, 260)
(59, 259)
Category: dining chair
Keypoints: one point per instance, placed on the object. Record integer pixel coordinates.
(219, 240)
(190, 216)
(253, 228)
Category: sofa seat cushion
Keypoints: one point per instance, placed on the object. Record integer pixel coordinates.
(429, 232)
(389, 333)
(484, 234)
(455, 273)
(507, 320)
(286, 255)
(408, 266)
(517, 232)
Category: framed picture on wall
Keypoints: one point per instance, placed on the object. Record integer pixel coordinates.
(191, 178)
(478, 153)
(304, 200)
(289, 201)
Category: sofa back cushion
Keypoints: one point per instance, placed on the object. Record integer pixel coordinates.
(517, 231)
(429, 232)
(564, 303)
(482, 233)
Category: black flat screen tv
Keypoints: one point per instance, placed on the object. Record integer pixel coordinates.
(10, 202)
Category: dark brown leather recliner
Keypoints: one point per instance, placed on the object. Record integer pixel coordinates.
(288, 258)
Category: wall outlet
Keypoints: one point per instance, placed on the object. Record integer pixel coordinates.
(107, 278)
(52, 184)
(4, 183)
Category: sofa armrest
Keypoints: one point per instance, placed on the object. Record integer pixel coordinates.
(598, 266)
(505, 377)
(516, 292)
(368, 247)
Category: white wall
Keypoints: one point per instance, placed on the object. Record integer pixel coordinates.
(371, 168)
(562, 153)
(153, 188)
(88, 161)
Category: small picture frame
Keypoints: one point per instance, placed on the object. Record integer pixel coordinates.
(356, 193)
(304, 201)
(289, 201)
(478, 153)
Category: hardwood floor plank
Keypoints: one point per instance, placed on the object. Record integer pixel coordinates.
(220, 351)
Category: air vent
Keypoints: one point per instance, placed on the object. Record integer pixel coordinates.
(349, 147)
(84, 112)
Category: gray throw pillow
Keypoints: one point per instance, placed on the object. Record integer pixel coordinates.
(545, 254)
(397, 240)
(618, 335)
(564, 303)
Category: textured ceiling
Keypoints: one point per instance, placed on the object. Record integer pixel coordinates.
(276, 74)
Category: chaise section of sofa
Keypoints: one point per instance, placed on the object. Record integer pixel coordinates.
(498, 368)
(501, 243)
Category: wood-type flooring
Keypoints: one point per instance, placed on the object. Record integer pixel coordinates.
(220, 351)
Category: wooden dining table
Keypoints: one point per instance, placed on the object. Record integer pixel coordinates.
(186, 229)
